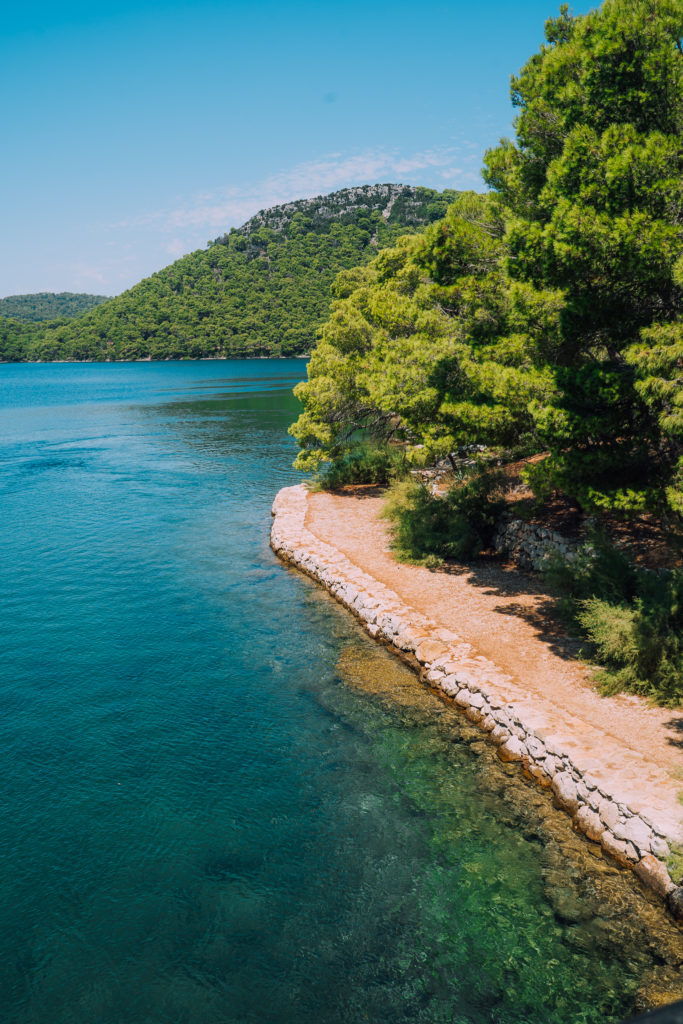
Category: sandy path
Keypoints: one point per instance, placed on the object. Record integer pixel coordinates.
(505, 615)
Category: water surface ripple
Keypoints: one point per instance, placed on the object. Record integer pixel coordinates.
(222, 803)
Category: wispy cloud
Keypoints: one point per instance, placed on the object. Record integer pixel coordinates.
(140, 244)
(175, 248)
(108, 274)
(227, 207)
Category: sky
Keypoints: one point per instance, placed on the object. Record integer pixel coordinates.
(137, 132)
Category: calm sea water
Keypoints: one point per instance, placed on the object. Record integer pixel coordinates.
(220, 801)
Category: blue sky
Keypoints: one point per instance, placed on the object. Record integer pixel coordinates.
(135, 132)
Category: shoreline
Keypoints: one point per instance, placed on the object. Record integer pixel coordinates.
(587, 788)
(143, 359)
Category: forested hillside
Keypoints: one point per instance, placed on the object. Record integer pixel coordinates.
(49, 305)
(262, 289)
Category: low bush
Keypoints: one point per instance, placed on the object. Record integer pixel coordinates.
(632, 617)
(427, 529)
(365, 464)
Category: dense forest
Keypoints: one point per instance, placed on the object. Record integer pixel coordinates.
(262, 289)
(49, 305)
(544, 321)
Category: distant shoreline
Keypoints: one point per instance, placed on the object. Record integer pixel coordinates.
(112, 362)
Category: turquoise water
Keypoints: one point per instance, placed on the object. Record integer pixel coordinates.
(222, 803)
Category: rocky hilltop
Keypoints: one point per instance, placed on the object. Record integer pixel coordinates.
(406, 205)
(262, 289)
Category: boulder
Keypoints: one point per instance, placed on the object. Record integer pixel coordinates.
(609, 813)
(674, 902)
(622, 851)
(429, 650)
(654, 874)
(565, 792)
(589, 822)
(449, 685)
(512, 750)
(634, 830)
(659, 847)
(536, 747)
(539, 775)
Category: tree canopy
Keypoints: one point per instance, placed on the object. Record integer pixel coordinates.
(549, 312)
(40, 306)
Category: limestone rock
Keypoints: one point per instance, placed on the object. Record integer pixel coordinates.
(512, 750)
(449, 685)
(594, 800)
(674, 902)
(609, 813)
(539, 775)
(635, 831)
(589, 822)
(535, 747)
(499, 734)
(622, 851)
(429, 650)
(654, 874)
(659, 847)
(565, 792)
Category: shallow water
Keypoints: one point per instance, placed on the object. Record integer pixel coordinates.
(222, 802)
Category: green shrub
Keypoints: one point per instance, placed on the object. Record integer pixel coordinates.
(599, 571)
(674, 862)
(632, 617)
(365, 464)
(426, 529)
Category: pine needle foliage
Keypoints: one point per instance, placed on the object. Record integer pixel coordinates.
(549, 311)
(427, 529)
(632, 618)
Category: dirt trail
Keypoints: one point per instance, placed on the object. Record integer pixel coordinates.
(508, 618)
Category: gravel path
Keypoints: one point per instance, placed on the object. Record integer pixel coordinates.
(508, 618)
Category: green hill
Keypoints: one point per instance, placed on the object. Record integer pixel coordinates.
(49, 305)
(262, 289)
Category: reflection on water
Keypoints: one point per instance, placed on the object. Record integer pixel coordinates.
(222, 801)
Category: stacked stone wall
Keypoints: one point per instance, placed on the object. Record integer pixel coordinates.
(530, 545)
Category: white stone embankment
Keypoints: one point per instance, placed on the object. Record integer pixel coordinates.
(581, 786)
